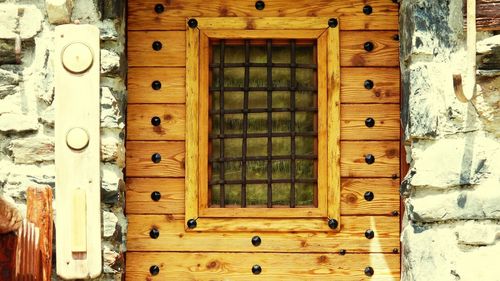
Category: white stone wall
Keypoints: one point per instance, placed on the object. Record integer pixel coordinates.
(452, 193)
(27, 111)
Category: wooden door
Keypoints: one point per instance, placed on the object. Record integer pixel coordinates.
(168, 241)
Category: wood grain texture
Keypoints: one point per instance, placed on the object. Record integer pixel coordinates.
(352, 158)
(487, 14)
(173, 85)
(353, 125)
(172, 126)
(350, 237)
(275, 267)
(141, 53)
(139, 162)
(259, 34)
(385, 80)
(386, 196)
(325, 202)
(138, 196)
(143, 17)
(385, 52)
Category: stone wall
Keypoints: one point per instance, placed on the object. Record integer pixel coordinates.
(452, 192)
(27, 111)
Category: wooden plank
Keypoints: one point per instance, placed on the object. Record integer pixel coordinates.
(385, 80)
(353, 117)
(487, 15)
(173, 85)
(172, 126)
(262, 23)
(325, 202)
(276, 212)
(353, 154)
(138, 196)
(204, 123)
(351, 237)
(259, 34)
(386, 196)
(139, 162)
(238, 266)
(141, 14)
(385, 52)
(141, 53)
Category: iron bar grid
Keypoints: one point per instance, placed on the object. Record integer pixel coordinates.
(264, 181)
(221, 121)
(274, 65)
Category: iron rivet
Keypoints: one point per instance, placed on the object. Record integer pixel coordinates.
(192, 223)
(154, 270)
(395, 250)
(159, 8)
(156, 85)
(333, 22)
(155, 196)
(369, 234)
(260, 5)
(369, 84)
(395, 1)
(155, 121)
(333, 223)
(368, 46)
(369, 122)
(369, 271)
(156, 158)
(154, 233)
(396, 37)
(369, 196)
(342, 252)
(367, 10)
(192, 23)
(157, 45)
(256, 269)
(395, 213)
(394, 176)
(369, 159)
(256, 241)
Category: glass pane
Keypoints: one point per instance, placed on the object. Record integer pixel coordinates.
(281, 122)
(281, 194)
(281, 54)
(258, 54)
(256, 170)
(215, 78)
(306, 78)
(304, 194)
(281, 146)
(233, 100)
(215, 172)
(233, 123)
(215, 196)
(215, 53)
(304, 169)
(257, 77)
(281, 99)
(304, 145)
(232, 147)
(234, 54)
(305, 99)
(281, 169)
(232, 195)
(256, 195)
(281, 77)
(234, 77)
(304, 122)
(305, 55)
(257, 100)
(232, 170)
(257, 123)
(257, 147)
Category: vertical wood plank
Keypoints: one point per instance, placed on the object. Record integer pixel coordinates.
(204, 101)
(322, 116)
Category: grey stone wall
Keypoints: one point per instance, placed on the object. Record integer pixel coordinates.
(27, 111)
(452, 193)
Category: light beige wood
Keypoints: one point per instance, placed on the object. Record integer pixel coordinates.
(324, 203)
(353, 118)
(172, 126)
(79, 221)
(275, 267)
(263, 212)
(139, 162)
(141, 14)
(192, 119)
(141, 53)
(173, 85)
(352, 158)
(333, 106)
(263, 23)
(259, 34)
(385, 90)
(385, 52)
(385, 201)
(264, 224)
(203, 121)
(138, 195)
(77, 106)
(350, 237)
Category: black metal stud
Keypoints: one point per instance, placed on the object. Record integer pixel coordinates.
(256, 269)
(394, 176)
(367, 10)
(368, 46)
(333, 223)
(369, 271)
(369, 159)
(156, 45)
(369, 234)
(369, 84)
(192, 223)
(395, 250)
(192, 23)
(369, 196)
(342, 252)
(154, 270)
(333, 22)
(159, 8)
(260, 5)
(396, 37)
(156, 158)
(155, 196)
(154, 233)
(369, 122)
(155, 121)
(156, 85)
(256, 241)
(395, 213)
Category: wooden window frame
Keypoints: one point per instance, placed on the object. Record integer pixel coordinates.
(196, 163)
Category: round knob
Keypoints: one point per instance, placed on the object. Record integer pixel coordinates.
(156, 45)
(159, 8)
(369, 122)
(260, 5)
(369, 159)
(154, 270)
(192, 23)
(395, 37)
(156, 158)
(156, 85)
(333, 22)
(368, 46)
(367, 10)
(369, 196)
(191, 223)
(369, 234)
(155, 121)
(369, 84)
(155, 196)
(256, 241)
(256, 269)
(333, 223)
(369, 271)
(77, 138)
(395, 213)
(154, 233)
(77, 57)
(342, 252)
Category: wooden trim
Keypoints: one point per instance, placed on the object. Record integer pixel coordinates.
(274, 212)
(192, 129)
(263, 23)
(259, 34)
(323, 48)
(204, 101)
(264, 224)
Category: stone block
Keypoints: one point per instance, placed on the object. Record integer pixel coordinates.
(112, 149)
(17, 123)
(59, 11)
(111, 116)
(32, 150)
(25, 20)
(112, 183)
(109, 221)
(110, 62)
